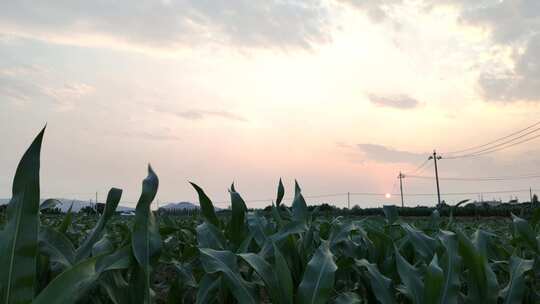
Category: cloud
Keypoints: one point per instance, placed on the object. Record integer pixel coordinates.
(23, 84)
(402, 102)
(376, 10)
(147, 136)
(198, 114)
(389, 155)
(521, 82)
(174, 23)
(202, 114)
(513, 25)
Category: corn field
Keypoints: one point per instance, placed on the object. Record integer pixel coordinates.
(290, 255)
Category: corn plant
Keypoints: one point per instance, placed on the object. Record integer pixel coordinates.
(40, 264)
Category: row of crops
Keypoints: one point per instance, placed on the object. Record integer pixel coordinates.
(289, 255)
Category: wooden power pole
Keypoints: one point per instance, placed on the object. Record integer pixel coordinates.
(401, 176)
(435, 157)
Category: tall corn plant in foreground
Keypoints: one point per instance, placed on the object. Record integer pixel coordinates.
(29, 251)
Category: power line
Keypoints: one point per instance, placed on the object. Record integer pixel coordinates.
(494, 150)
(496, 140)
(472, 193)
(485, 178)
(422, 165)
(500, 144)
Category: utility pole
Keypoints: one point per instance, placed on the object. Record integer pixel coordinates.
(401, 176)
(530, 194)
(349, 200)
(435, 157)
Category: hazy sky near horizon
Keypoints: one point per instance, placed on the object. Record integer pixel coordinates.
(340, 94)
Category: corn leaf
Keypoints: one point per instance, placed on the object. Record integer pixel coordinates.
(280, 193)
(238, 218)
(513, 292)
(267, 274)
(451, 265)
(70, 285)
(20, 235)
(208, 288)
(56, 246)
(410, 276)
(318, 281)
(113, 198)
(207, 208)
(224, 262)
(434, 282)
(481, 280)
(381, 285)
(300, 210)
(209, 236)
(145, 239)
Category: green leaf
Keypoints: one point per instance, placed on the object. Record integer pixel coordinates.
(434, 220)
(56, 246)
(347, 298)
(381, 285)
(268, 275)
(224, 262)
(283, 274)
(66, 222)
(481, 279)
(113, 198)
(70, 285)
(103, 246)
(535, 219)
(299, 207)
(145, 239)
(244, 247)
(451, 264)
(257, 224)
(391, 213)
(209, 236)
(341, 232)
(434, 282)
(513, 292)
(290, 228)
(280, 193)
(238, 219)
(208, 288)
(118, 260)
(423, 244)
(318, 281)
(19, 246)
(207, 208)
(525, 233)
(410, 276)
(277, 217)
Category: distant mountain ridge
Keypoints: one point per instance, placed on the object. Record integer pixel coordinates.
(180, 206)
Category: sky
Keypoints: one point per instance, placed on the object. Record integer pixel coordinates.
(341, 95)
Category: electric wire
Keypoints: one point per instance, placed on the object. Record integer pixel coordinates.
(488, 151)
(496, 140)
